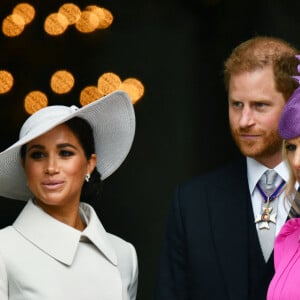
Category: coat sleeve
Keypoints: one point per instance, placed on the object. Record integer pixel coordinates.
(3, 280)
(172, 281)
(127, 265)
(132, 290)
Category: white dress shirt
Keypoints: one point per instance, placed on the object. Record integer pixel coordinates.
(255, 170)
(42, 258)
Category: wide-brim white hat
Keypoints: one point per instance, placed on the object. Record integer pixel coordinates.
(112, 119)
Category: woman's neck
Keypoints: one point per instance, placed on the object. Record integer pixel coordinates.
(69, 215)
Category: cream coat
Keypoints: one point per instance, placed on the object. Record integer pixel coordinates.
(44, 259)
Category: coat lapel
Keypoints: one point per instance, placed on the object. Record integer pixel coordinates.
(59, 240)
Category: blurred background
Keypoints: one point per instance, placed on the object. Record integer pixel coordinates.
(175, 50)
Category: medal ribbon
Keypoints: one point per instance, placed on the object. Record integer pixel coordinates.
(273, 195)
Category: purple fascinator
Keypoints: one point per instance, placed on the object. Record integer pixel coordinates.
(289, 123)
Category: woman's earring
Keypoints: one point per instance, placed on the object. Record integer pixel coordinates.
(87, 177)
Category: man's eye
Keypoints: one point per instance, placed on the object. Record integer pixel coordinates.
(37, 155)
(237, 104)
(260, 104)
(290, 147)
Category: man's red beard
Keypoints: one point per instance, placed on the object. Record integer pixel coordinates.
(260, 147)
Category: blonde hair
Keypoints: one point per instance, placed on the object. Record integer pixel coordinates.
(290, 185)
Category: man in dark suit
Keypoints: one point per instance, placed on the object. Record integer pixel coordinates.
(212, 247)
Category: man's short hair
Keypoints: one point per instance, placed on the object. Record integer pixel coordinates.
(259, 52)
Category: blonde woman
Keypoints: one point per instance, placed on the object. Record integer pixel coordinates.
(285, 283)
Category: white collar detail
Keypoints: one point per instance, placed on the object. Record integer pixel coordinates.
(59, 240)
(255, 171)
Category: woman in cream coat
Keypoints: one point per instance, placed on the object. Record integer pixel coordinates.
(57, 247)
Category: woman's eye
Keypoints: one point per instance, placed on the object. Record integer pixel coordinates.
(37, 155)
(290, 147)
(66, 153)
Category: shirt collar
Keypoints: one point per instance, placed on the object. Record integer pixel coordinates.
(59, 240)
(256, 169)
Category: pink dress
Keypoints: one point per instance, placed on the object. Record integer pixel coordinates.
(285, 284)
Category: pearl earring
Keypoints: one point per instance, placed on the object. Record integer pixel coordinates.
(87, 177)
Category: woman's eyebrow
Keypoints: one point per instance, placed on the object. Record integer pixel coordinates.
(41, 147)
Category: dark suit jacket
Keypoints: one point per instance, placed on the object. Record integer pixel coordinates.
(205, 253)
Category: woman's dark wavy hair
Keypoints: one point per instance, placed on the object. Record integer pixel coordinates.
(91, 191)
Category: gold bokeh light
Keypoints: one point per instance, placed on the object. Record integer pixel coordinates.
(26, 11)
(105, 17)
(13, 25)
(71, 11)
(108, 19)
(89, 94)
(34, 101)
(108, 82)
(6, 81)
(90, 19)
(87, 22)
(56, 24)
(62, 82)
(134, 88)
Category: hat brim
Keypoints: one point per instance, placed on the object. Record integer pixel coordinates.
(113, 121)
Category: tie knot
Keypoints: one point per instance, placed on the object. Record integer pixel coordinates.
(267, 181)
